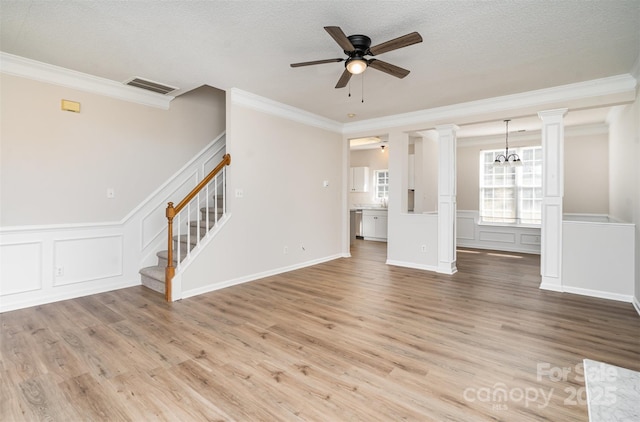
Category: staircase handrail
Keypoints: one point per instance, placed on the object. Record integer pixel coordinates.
(171, 213)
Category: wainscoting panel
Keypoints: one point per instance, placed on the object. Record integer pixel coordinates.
(82, 260)
(598, 259)
(21, 269)
(488, 235)
(466, 227)
(43, 264)
(470, 234)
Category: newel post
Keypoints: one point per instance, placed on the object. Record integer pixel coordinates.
(170, 271)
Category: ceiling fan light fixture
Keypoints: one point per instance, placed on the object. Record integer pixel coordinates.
(356, 66)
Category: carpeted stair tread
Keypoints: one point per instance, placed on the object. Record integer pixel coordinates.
(163, 256)
(153, 278)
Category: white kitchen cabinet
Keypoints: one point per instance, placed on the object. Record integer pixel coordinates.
(374, 225)
(359, 179)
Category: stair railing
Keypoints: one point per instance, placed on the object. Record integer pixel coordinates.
(216, 179)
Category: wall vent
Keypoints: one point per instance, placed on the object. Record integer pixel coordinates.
(150, 85)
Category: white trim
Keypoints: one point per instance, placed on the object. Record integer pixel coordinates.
(43, 72)
(413, 265)
(550, 285)
(636, 304)
(42, 297)
(598, 293)
(257, 276)
(256, 102)
(59, 227)
(198, 156)
(132, 213)
(613, 85)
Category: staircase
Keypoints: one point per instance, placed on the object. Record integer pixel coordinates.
(154, 277)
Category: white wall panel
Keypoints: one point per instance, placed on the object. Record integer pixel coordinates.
(471, 234)
(598, 259)
(466, 228)
(21, 267)
(87, 259)
(495, 236)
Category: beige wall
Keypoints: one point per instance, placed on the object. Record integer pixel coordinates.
(586, 173)
(280, 166)
(56, 166)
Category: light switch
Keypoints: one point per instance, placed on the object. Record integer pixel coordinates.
(325, 184)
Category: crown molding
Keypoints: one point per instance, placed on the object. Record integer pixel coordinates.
(256, 102)
(534, 136)
(542, 98)
(43, 72)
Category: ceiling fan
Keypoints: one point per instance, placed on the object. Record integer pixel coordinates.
(356, 47)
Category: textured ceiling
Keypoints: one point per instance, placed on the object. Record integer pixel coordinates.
(471, 50)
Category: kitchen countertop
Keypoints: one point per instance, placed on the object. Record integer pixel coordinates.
(372, 207)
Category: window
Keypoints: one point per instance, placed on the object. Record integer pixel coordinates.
(511, 195)
(382, 184)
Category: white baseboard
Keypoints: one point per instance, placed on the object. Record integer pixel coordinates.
(44, 297)
(257, 276)
(553, 287)
(636, 304)
(591, 293)
(413, 265)
(598, 293)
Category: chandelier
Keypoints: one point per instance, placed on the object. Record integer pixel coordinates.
(507, 159)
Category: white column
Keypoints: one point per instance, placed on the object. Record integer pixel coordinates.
(447, 198)
(552, 196)
(398, 151)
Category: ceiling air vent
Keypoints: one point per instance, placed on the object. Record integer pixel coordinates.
(150, 85)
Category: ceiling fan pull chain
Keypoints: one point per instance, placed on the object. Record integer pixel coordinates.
(349, 88)
(362, 89)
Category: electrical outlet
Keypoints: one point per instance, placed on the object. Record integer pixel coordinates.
(285, 250)
(111, 193)
(59, 271)
(423, 248)
(239, 193)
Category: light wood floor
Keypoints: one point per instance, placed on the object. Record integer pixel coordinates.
(348, 340)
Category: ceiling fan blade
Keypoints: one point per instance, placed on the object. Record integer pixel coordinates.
(396, 43)
(389, 68)
(344, 79)
(338, 35)
(316, 62)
